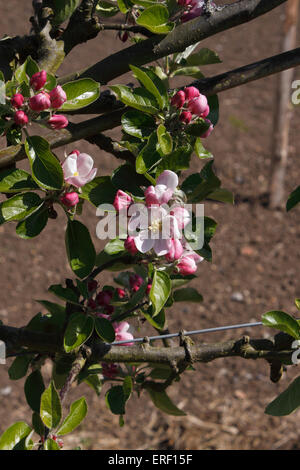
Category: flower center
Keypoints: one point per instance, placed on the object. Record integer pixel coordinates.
(156, 226)
(76, 173)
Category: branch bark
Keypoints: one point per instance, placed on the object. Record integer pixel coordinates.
(181, 37)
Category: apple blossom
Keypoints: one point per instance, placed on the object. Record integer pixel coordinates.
(17, 100)
(40, 102)
(191, 92)
(175, 250)
(178, 99)
(122, 200)
(57, 97)
(121, 332)
(198, 105)
(58, 121)
(20, 118)
(129, 245)
(185, 117)
(78, 169)
(38, 80)
(70, 199)
(104, 297)
(188, 263)
(209, 130)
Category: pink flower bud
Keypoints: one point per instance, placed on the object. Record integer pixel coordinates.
(58, 121)
(70, 199)
(175, 251)
(122, 200)
(40, 102)
(206, 112)
(123, 35)
(148, 289)
(109, 370)
(57, 97)
(187, 266)
(121, 293)
(198, 105)
(92, 304)
(104, 297)
(185, 117)
(135, 282)
(129, 245)
(38, 80)
(92, 285)
(17, 101)
(178, 99)
(20, 118)
(184, 3)
(75, 151)
(191, 92)
(209, 130)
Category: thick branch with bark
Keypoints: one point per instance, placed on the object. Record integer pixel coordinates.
(177, 41)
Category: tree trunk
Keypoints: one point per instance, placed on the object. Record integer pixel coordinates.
(283, 112)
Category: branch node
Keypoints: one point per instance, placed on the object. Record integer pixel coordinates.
(186, 343)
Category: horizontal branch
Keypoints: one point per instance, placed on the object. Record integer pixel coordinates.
(245, 348)
(178, 40)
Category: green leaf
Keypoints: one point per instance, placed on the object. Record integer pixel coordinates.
(176, 161)
(51, 82)
(139, 99)
(200, 185)
(178, 280)
(31, 67)
(222, 195)
(51, 444)
(126, 178)
(63, 9)
(188, 294)
(124, 5)
(19, 206)
(282, 321)
(127, 387)
(156, 19)
(50, 410)
(38, 424)
(114, 247)
(138, 124)
(34, 388)
(19, 367)
(46, 169)
(105, 330)
(293, 199)
(64, 293)
(77, 413)
(161, 400)
(287, 402)
(78, 331)
(34, 224)
(115, 400)
(80, 249)
(99, 191)
(80, 93)
(203, 57)
(188, 72)
(148, 156)
(106, 9)
(201, 152)
(158, 321)
(213, 102)
(15, 180)
(197, 129)
(152, 83)
(160, 290)
(13, 435)
(297, 303)
(164, 140)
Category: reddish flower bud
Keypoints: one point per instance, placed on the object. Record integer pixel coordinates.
(58, 97)
(75, 151)
(123, 35)
(70, 199)
(104, 297)
(92, 304)
(17, 101)
(20, 118)
(38, 80)
(129, 245)
(121, 293)
(178, 99)
(206, 112)
(148, 289)
(58, 121)
(122, 200)
(185, 117)
(135, 282)
(209, 130)
(191, 92)
(198, 105)
(92, 285)
(109, 370)
(40, 102)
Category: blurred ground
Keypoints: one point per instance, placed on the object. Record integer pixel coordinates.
(256, 259)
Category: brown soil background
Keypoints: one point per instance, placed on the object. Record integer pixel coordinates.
(256, 253)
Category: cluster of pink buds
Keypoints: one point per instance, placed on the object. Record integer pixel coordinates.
(192, 9)
(58, 441)
(39, 101)
(193, 105)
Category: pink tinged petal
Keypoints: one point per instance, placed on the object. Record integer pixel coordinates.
(161, 247)
(121, 327)
(144, 244)
(197, 258)
(151, 196)
(91, 175)
(164, 193)
(182, 216)
(124, 337)
(85, 164)
(169, 179)
(175, 251)
(70, 165)
(139, 220)
(170, 228)
(76, 181)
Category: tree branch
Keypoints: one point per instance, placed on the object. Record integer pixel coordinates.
(181, 37)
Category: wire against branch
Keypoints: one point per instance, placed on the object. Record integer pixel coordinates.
(189, 333)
